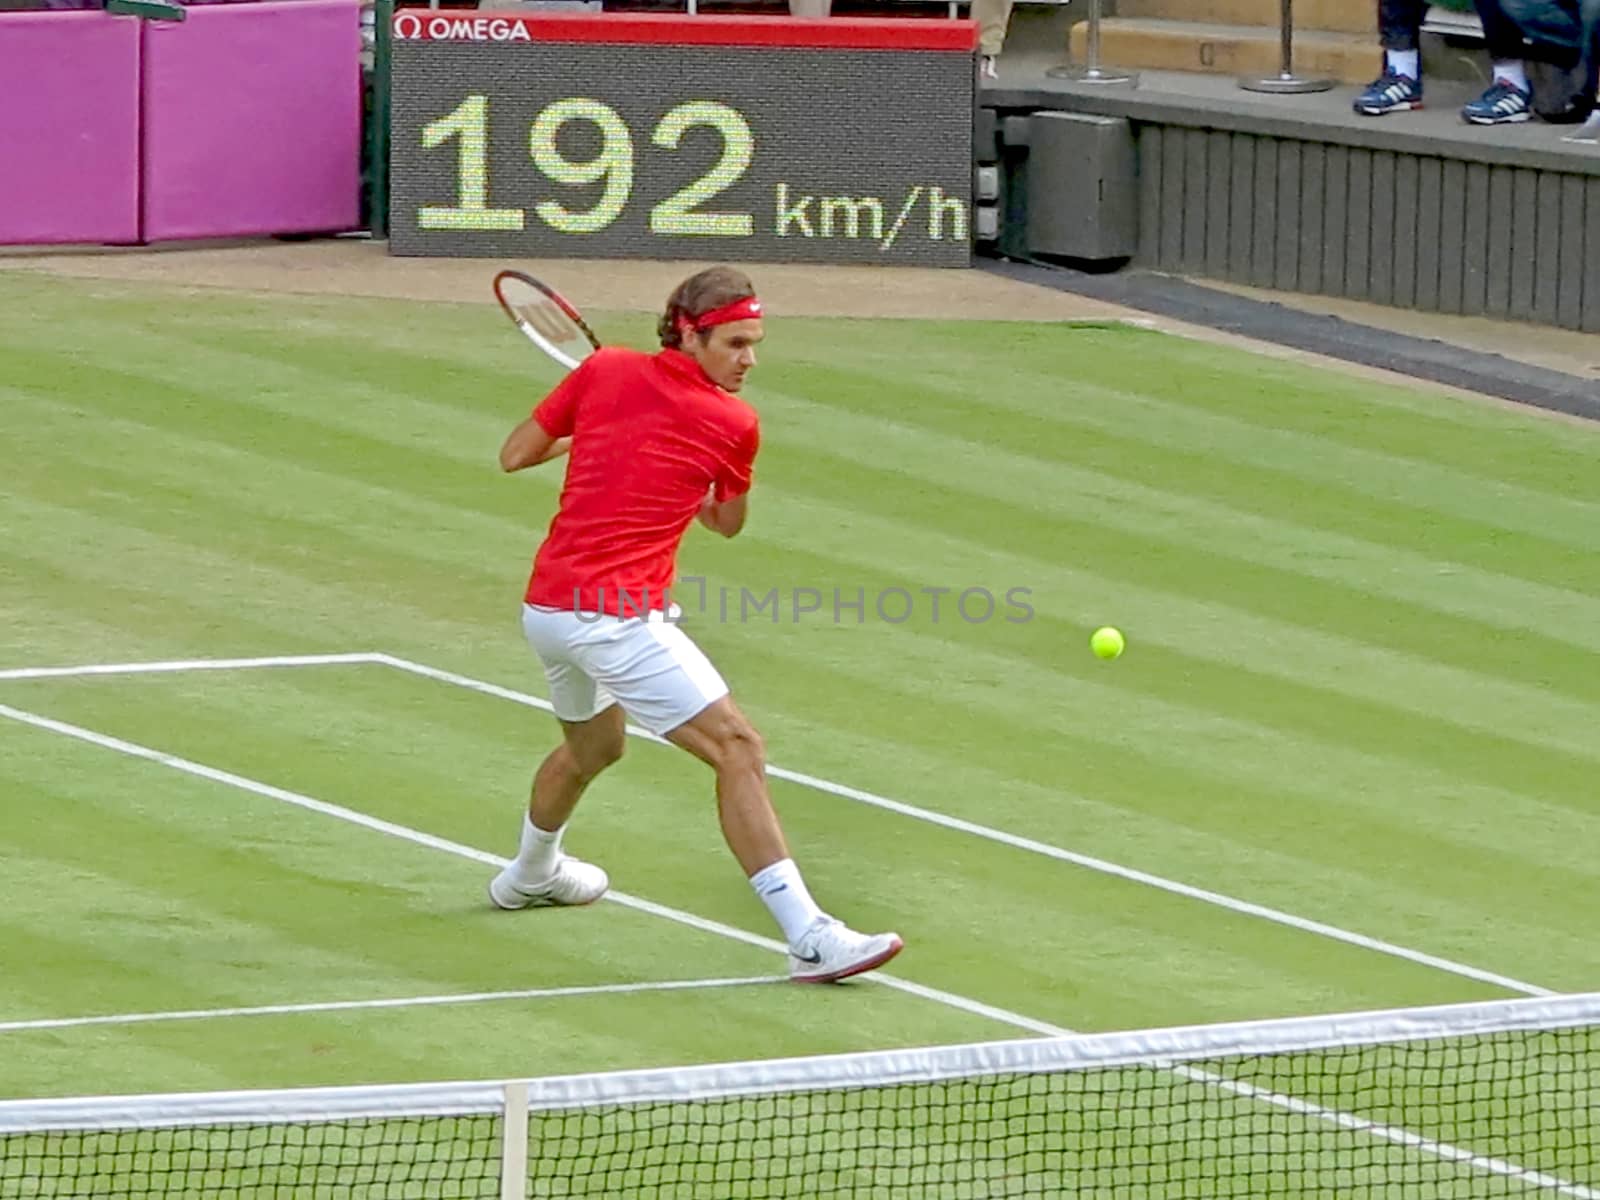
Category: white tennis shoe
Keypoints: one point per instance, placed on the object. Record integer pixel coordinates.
(575, 882)
(830, 950)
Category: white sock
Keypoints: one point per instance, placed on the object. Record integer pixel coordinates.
(1405, 62)
(1513, 73)
(784, 893)
(536, 860)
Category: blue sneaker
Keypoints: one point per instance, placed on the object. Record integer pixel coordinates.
(1503, 104)
(1389, 93)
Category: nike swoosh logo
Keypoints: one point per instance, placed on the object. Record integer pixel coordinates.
(813, 958)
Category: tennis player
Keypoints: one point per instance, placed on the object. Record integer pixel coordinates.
(654, 443)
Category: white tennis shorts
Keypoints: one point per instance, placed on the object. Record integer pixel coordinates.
(648, 665)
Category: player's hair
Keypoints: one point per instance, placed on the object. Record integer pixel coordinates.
(699, 294)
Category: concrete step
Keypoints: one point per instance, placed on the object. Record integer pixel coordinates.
(1156, 45)
(1330, 16)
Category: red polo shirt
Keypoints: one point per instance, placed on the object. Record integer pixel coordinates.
(650, 435)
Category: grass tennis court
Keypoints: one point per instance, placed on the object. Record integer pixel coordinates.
(1361, 689)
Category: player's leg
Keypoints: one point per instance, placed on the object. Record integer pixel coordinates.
(593, 737)
(542, 873)
(821, 948)
(723, 738)
(668, 685)
(586, 749)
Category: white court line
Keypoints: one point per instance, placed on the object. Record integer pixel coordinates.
(275, 1010)
(1393, 1134)
(189, 664)
(1244, 907)
(134, 750)
(844, 791)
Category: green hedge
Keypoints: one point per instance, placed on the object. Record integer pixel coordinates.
(1455, 5)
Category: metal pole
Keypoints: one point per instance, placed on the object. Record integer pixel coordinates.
(1091, 71)
(1285, 80)
(382, 56)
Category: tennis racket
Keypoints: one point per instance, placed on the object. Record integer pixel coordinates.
(547, 318)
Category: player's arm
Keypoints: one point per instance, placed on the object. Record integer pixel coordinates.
(530, 444)
(725, 517)
(724, 508)
(547, 433)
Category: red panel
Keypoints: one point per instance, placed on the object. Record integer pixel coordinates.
(833, 33)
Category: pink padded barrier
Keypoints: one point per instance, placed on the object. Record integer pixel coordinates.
(253, 120)
(69, 150)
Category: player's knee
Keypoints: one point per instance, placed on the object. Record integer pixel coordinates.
(742, 749)
(594, 757)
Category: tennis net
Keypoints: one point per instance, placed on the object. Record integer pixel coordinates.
(1489, 1099)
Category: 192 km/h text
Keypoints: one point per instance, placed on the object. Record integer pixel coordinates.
(925, 209)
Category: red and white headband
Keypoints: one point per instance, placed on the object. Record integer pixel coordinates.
(739, 310)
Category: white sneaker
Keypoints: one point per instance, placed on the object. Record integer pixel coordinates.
(989, 67)
(831, 950)
(575, 882)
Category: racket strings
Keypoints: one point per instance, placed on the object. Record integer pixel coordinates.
(546, 319)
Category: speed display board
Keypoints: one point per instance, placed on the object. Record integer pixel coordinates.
(658, 136)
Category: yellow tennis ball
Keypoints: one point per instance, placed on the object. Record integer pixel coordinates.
(1107, 642)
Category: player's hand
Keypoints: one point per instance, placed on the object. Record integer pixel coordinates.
(726, 516)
